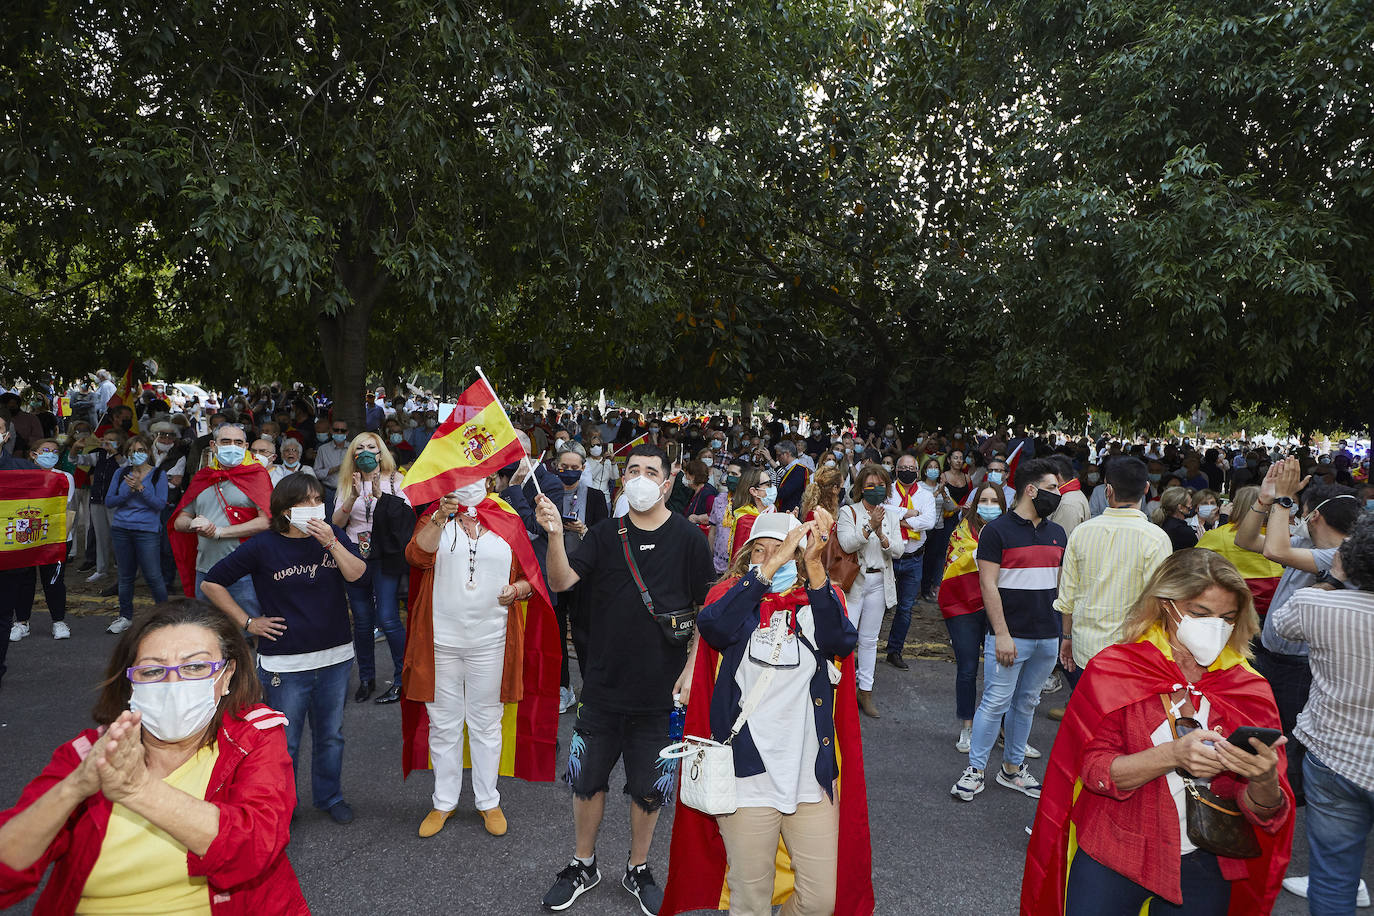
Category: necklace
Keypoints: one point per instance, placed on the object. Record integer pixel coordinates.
(471, 584)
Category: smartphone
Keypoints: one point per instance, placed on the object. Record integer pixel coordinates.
(1241, 737)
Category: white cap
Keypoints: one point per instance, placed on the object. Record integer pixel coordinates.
(775, 525)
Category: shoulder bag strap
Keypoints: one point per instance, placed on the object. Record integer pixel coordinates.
(751, 699)
(634, 569)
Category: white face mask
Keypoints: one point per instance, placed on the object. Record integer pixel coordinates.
(176, 710)
(301, 516)
(642, 493)
(1204, 637)
(596, 451)
(472, 494)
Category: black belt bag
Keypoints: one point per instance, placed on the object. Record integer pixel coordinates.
(677, 626)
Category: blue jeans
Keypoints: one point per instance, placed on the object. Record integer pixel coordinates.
(907, 570)
(375, 605)
(966, 633)
(241, 591)
(1096, 890)
(937, 543)
(319, 693)
(135, 550)
(1339, 817)
(1013, 692)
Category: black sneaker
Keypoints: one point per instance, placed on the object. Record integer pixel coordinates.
(639, 881)
(573, 882)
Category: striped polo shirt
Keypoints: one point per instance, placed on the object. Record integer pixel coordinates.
(1030, 556)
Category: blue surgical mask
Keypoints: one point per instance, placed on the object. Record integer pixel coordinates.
(715, 443)
(395, 438)
(988, 513)
(770, 496)
(1155, 478)
(322, 437)
(138, 459)
(996, 477)
(932, 473)
(784, 578)
(339, 438)
(46, 460)
(230, 456)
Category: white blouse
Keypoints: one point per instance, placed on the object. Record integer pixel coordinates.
(468, 578)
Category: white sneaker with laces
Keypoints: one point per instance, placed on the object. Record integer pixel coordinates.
(1022, 781)
(566, 699)
(969, 785)
(60, 630)
(95, 576)
(1033, 753)
(119, 626)
(1053, 684)
(965, 739)
(18, 631)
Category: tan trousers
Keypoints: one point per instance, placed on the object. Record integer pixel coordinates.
(751, 847)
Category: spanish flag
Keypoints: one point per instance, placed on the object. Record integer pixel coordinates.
(125, 396)
(1117, 677)
(697, 863)
(960, 592)
(1261, 575)
(33, 511)
(529, 681)
(475, 442)
(629, 446)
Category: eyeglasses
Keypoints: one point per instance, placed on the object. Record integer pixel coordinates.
(190, 671)
(343, 430)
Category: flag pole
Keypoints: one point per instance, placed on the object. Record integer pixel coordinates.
(497, 398)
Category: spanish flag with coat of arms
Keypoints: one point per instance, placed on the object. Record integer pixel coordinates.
(472, 444)
(33, 511)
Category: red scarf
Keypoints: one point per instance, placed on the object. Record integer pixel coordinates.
(795, 597)
(250, 477)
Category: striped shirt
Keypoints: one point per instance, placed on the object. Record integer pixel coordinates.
(1292, 580)
(1337, 724)
(1029, 556)
(1107, 563)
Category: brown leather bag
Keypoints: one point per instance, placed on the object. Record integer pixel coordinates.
(1214, 824)
(840, 565)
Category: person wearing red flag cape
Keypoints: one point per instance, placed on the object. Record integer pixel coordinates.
(226, 503)
(1147, 723)
(799, 836)
(481, 652)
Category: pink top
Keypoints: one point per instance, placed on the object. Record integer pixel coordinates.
(359, 527)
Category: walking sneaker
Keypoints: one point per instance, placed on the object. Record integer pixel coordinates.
(119, 626)
(965, 739)
(18, 631)
(1297, 886)
(566, 699)
(60, 630)
(1032, 752)
(969, 785)
(639, 881)
(573, 882)
(95, 576)
(1053, 684)
(1022, 781)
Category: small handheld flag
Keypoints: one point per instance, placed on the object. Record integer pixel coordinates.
(475, 442)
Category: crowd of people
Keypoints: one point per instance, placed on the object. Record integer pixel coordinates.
(1181, 589)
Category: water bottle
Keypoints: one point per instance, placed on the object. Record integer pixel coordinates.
(677, 721)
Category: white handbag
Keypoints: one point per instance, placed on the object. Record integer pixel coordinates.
(708, 766)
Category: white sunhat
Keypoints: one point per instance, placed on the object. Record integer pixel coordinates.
(775, 525)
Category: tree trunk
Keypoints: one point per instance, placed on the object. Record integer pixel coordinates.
(343, 338)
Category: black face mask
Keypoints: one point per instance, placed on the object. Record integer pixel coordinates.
(908, 476)
(1045, 503)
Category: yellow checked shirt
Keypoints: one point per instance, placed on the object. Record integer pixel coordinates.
(1107, 562)
(142, 869)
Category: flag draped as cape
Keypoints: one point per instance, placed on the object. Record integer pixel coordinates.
(529, 727)
(960, 592)
(696, 864)
(250, 477)
(1117, 677)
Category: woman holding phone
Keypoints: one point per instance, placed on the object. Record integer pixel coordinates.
(1148, 724)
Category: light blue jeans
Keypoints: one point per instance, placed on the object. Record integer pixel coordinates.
(1340, 816)
(1012, 692)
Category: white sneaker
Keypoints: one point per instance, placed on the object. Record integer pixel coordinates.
(1053, 684)
(18, 631)
(566, 699)
(969, 785)
(1297, 886)
(60, 630)
(377, 634)
(1032, 753)
(95, 576)
(119, 626)
(965, 739)
(1022, 781)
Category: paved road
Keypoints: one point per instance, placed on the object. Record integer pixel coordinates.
(931, 854)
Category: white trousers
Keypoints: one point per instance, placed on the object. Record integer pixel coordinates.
(866, 613)
(467, 689)
(104, 539)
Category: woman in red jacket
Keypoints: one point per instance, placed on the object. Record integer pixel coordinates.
(180, 801)
(1110, 831)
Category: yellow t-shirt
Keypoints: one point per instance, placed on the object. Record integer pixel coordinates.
(142, 869)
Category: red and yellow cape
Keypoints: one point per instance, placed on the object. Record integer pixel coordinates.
(696, 864)
(529, 724)
(1117, 677)
(250, 477)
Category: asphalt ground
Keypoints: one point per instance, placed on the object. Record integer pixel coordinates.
(931, 854)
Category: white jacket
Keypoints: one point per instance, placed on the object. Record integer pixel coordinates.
(868, 549)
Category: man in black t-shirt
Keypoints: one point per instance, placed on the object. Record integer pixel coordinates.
(633, 673)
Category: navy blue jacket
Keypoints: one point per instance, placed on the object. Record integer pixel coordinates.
(727, 623)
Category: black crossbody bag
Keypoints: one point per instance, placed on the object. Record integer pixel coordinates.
(677, 626)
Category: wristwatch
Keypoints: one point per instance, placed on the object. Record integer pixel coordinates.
(1285, 501)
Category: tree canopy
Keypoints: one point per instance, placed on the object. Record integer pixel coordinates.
(930, 210)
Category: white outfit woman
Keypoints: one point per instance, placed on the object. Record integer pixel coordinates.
(875, 588)
(469, 655)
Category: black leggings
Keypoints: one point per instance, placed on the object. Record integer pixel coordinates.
(1096, 890)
